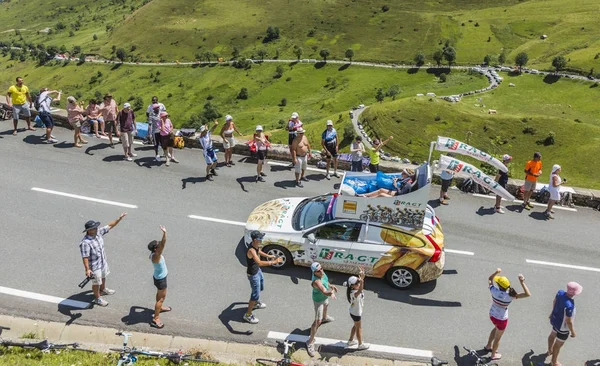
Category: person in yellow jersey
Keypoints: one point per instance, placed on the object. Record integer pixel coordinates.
(16, 98)
(374, 154)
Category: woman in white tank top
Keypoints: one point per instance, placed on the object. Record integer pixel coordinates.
(554, 189)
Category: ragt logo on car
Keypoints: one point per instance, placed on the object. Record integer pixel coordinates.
(328, 254)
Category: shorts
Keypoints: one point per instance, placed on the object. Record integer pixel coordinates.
(166, 141)
(20, 110)
(291, 138)
(446, 185)
(373, 168)
(500, 324)
(47, 119)
(126, 139)
(331, 150)
(356, 166)
(160, 284)
(561, 335)
(210, 157)
(75, 124)
(300, 164)
(99, 274)
(320, 309)
(261, 154)
(257, 284)
(355, 318)
(229, 142)
(95, 120)
(529, 186)
(109, 125)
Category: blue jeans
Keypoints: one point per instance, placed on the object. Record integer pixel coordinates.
(356, 166)
(257, 284)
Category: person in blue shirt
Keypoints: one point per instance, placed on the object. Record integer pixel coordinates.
(331, 144)
(561, 319)
(160, 277)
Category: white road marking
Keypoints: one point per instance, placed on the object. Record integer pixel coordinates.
(221, 221)
(453, 251)
(562, 265)
(113, 203)
(533, 203)
(46, 298)
(342, 344)
(340, 172)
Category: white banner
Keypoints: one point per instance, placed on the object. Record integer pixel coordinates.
(478, 176)
(451, 145)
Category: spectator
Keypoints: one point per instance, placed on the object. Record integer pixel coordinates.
(94, 257)
(562, 319)
(357, 149)
(16, 98)
(94, 117)
(167, 137)
(75, 118)
(446, 176)
(554, 190)
(154, 127)
(110, 110)
(262, 144)
(293, 124)
(331, 144)
(356, 298)
(160, 277)
(127, 126)
(402, 186)
(502, 179)
(210, 155)
(45, 102)
(228, 140)
(321, 292)
(374, 154)
(533, 169)
(300, 155)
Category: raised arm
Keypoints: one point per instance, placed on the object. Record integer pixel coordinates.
(116, 222)
(491, 278)
(161, 245)
(526, 292)
(214, 126)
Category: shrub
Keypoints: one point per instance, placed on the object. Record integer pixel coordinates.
(289, 78)
(243, 94)
(283, 102)
(437, 118)
(78, 95)
(138, 104)
(210, 97)
(95, 37)
(131, 97)
(443, 77)
(529, 130)
(549, 140)
(385, 8)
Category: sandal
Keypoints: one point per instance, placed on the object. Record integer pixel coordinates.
(157, 325)
(487, 350)
(496, 357)
(166, 310)
(31, 129)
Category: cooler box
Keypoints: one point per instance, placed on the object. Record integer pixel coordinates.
(142, 129)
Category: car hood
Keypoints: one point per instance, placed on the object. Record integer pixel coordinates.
(274, 216)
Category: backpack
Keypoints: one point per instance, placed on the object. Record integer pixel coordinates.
(178, 142)
(543, 195)
(520, 193)
(37, 102)
(470, 186)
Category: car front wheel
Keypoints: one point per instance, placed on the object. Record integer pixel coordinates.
(402, 278)
(281, 252)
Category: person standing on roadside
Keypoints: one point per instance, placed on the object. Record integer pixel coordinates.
(45, 102)
(154, 127)
(561, 319)
(554, 190)
(166, 137)
(94, 117)
(127, 127)
(356, 298)
(331, 144)
(255, 275)
(210, 156)
(321, 292)
(502, 296)
(110, 110)
(94, 257)
(262, 144)
(228, 139)
(533, 169)
(300, 155)
(160, 277)
(293, 124)
(75, 118)
(446, 176)
(502, 179)
(16, 98)
(374, 154)
(357, 149)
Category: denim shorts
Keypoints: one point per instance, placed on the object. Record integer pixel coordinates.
(46, 119)
(357, 166)
(257, 284)
(20, 110)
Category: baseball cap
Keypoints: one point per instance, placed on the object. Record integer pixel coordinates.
(329, 122)
(300, 130)
(126, 105)
(574, 289)
(228, 118)
(506, 157)
(537, 154)
(256, 235)
(91, 224)
(315, 267)
(295, 115)
(502, 281)
(259, 128)
(164, 114)
(352, 280)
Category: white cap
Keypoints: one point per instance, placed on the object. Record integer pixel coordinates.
(228, 118)
(352, 280)
(315, 266)
(295, 115)
(126, 105)
(202, 128)
(300, 130)
(506, 157)
(555, 167)
(259, 128)
(71, 99)
(329, 122)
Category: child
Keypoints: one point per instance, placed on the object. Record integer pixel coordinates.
(356, 298)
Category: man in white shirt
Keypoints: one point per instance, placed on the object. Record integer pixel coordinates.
(45, 102)
(149, 113)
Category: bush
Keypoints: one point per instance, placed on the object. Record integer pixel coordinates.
(549, 140)
(289, 78)
(210, 97)
(385, 8)
(95, 37)
(283, 102)
(243, 94)
(208, 114)
(443, 77)
(437, 118)
(78, 95)
(529, 130)
(138, 104)
(131, 97)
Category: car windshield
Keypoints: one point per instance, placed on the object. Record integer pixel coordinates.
(313, 211)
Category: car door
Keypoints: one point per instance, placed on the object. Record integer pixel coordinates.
(332, 244)
(372, 252)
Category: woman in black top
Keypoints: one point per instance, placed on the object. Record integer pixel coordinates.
(502, 179)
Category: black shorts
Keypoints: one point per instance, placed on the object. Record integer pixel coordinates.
(109, 125)
(291, 138)
(446, 185)
(331, 150)
(563, 336)
(355, 318)
(47, 119)
(373, 168)
(166, 141)
(160, 284)
(261, 154)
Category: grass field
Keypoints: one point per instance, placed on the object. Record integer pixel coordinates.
(181, 29)
(565, 107)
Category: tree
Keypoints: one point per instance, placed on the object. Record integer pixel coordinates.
(298, 52)
(121, 54)
(138, 103)
(349, 54)
(521, 60)
(278, 72)
(235, 53)
(76, 50)
(450, 55)
(208, 55)
(262, 53)
(559, 63)
(243, 94)
(502, 58)
(324, 53)
(443, 77)
(487, 59)
(272, 34)
(419, 59)
(393, 91)
(380, 96)
(438, 56)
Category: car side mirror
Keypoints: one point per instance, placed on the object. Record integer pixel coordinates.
(311, 238)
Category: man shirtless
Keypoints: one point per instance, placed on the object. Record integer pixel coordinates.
(300, 155)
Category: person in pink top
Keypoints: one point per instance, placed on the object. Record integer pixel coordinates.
(94, 117)
(110, 110)
(166, 137)
(75, 117)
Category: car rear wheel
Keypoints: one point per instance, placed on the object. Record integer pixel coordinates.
(402, 278)
(279, 251)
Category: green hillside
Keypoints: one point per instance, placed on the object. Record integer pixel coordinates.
(376, 30)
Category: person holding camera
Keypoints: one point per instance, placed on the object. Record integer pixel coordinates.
(554, 190)
(94, 257)
(322, 290)
(331, 145)
(533, 169)
(160, 277)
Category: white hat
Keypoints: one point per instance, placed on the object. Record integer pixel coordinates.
(71, 99)
(315, 266)
(300, 130)
(506, 157)
(126, 105)
(228, 118)
(352, 280)
(555, 167)
(329, 122)
(295, 115)
(259, 128)
(202, 128)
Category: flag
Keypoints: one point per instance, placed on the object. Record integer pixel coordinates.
(451, 145)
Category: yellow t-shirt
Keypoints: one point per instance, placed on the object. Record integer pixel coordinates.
(374, 155)
(18, 95)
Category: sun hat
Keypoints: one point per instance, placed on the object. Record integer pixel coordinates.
(506, 157)
(574, 289)
(352, 280)
(295, 115)
(126, 105)
(71, 99)
(228, 118)
(259, 128)
(329, 122)
(502, 281)
(255, 234)
(300, 130)
(91, 224)
(555, 167)
(315, 267)
(164, 114)
(155, 106)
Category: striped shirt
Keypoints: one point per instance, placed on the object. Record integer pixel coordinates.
(93, 249)
(500, 301)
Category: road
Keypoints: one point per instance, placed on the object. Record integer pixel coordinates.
(208, 289)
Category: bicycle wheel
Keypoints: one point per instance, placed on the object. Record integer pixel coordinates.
(266, 361)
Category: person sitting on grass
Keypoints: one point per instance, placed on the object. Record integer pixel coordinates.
(402, 185)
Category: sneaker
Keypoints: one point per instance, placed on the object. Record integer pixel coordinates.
(260, 305)
(262, 174)
(336, 175)
(250, 318)
(363, 346)
(351, 344)
(212, 171)
(328, 319)
(133, 155)
(304, 179)
(168, 162)
(310, 349)
(499, 210)
(228, 165)
(107, 292)
(549, 215)
(209, 177)
(175, 160)
(259, 178)
(157, 158)
(299, 184)
(328, 177)
(51, 141)
(527, 206)
(530, 205)
(128, 158)
(100, 302)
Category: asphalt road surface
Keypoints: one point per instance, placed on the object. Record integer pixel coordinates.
(208, 288)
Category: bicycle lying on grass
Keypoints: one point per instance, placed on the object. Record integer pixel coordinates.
(128, 355)
(288, 349)
(44, 345)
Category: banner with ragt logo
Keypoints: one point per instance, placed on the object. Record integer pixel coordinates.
(448, 163)
(451, 145)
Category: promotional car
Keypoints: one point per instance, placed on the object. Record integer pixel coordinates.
(398, 238)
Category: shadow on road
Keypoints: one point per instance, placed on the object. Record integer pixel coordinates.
(281, 168)
(64, 145)
(529, 359)
(316, 177)
(99, 146)
(147, 162)
(113, 158)
(515, 208)
(137, 315)
(486, 211)
(185, 181)
(9, 132)
(75, 313)
(467, 360)
(538, 215)
(593, 363)
(434, 203)
(235, 313)
(285, 184)
(249, 179)
(34, 140)
(144, 148)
